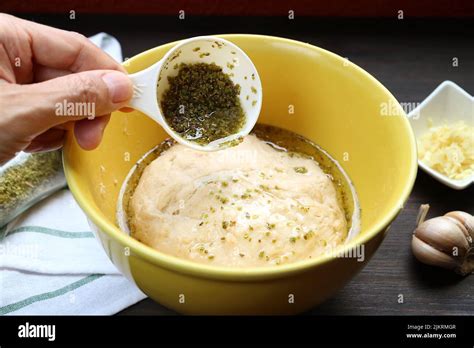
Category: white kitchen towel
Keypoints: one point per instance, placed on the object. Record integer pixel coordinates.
(50, 261)
(51, 264)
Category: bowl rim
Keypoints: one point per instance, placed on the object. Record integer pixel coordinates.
(196, 269)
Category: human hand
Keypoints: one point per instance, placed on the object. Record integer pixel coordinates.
(42, 70)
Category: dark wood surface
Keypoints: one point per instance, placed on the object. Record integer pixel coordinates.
(340, 8)
(410, 57)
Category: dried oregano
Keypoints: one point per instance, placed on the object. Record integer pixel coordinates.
(202, 103)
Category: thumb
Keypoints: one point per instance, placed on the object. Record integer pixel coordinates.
(73, 97)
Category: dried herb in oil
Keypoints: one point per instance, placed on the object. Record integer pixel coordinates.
(202, 103)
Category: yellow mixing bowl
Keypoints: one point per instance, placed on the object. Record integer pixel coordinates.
(307, 90)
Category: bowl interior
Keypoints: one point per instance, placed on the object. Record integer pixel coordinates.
(307, 90)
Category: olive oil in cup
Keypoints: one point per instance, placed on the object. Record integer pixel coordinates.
(205, 92)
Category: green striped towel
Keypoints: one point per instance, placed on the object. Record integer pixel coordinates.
(51, 264)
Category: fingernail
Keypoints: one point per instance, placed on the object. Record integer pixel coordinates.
(119, 85)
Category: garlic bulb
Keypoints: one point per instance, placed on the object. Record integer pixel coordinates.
(445, 241)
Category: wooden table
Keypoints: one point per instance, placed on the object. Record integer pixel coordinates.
(410, 57)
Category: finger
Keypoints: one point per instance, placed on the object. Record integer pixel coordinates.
(52, 139)
(87, 94)
(44, 73)
(126, 109)
(66, 50)
(7, 74)
(89, 133)
(66, 126)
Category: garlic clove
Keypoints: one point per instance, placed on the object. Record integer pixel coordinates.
(460, 226)
(427, 254)
(445, 235)
(466, 219)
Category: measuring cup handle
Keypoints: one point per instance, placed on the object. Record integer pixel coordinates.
(144, 91)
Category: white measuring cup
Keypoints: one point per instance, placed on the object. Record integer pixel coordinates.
(150, 84)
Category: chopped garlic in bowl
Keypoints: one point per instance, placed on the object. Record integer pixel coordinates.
(449, 149)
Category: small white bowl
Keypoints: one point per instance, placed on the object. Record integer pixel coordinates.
(447, 103)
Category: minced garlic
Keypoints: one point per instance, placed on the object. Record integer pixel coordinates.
(449, 149)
